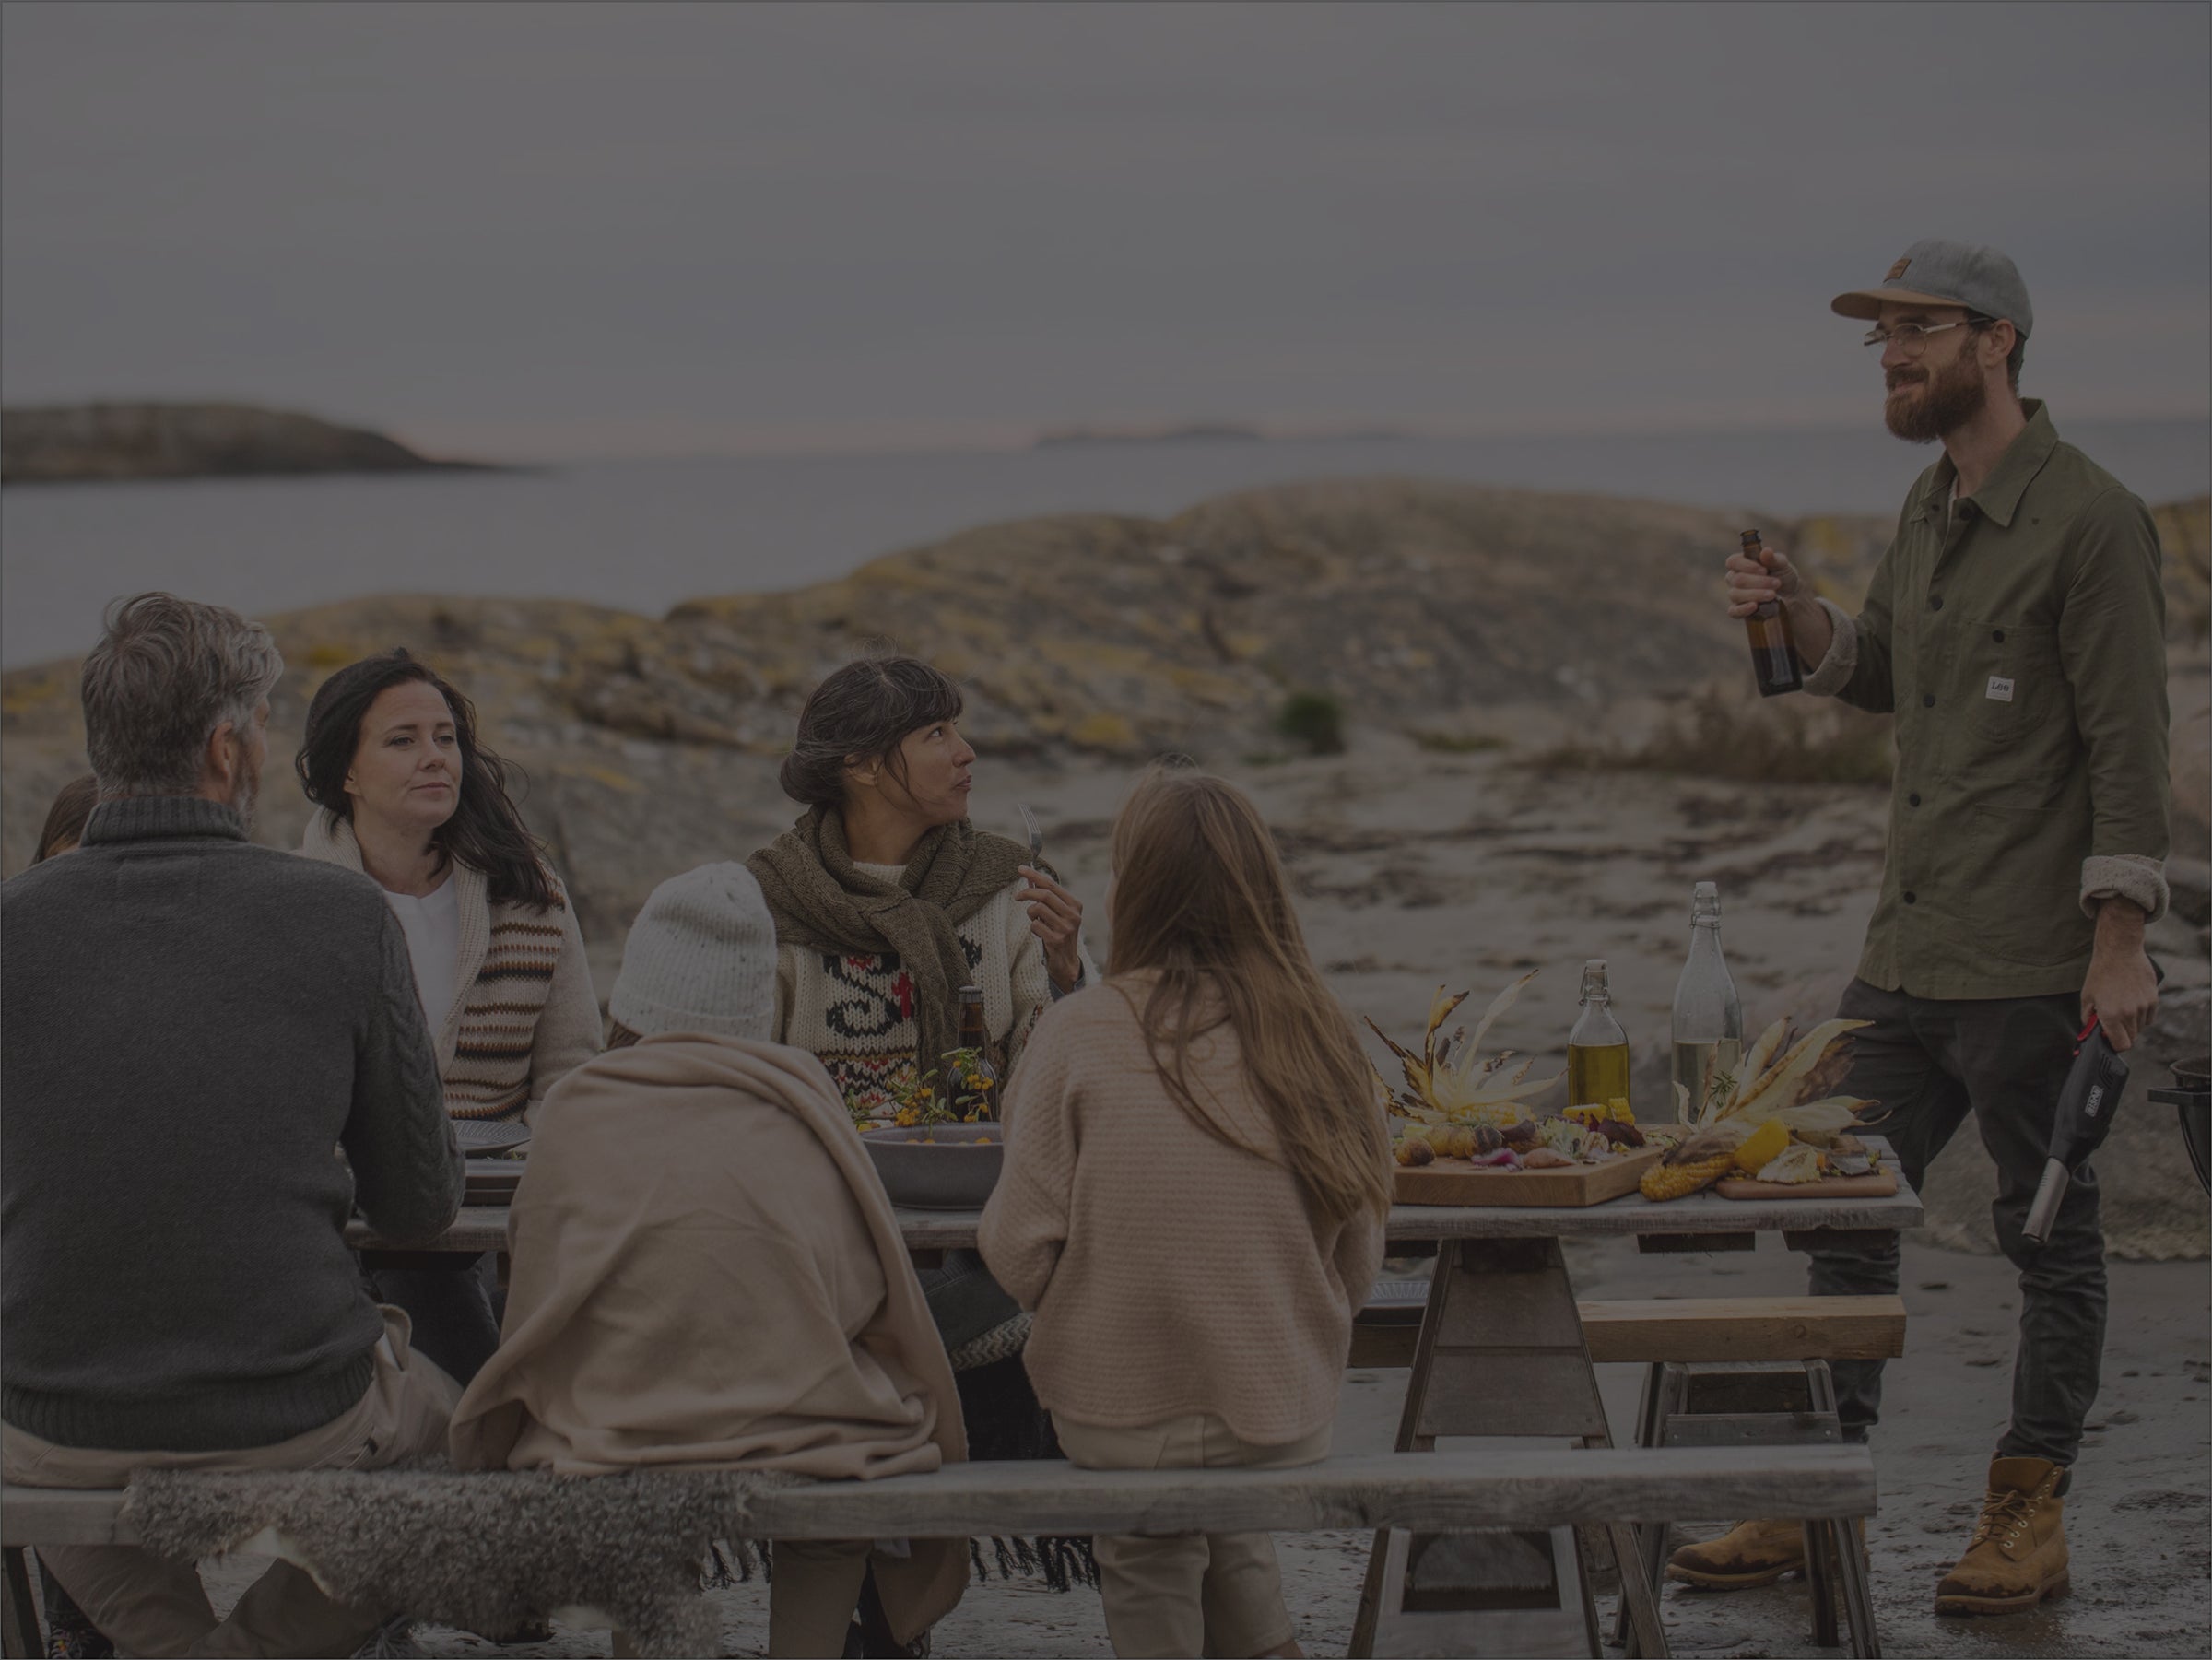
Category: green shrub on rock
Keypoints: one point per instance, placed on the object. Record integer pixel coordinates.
(1312, 719)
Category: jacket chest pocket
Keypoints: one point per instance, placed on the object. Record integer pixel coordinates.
(2007, 677)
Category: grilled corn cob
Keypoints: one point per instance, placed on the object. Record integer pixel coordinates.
(1672, 1181)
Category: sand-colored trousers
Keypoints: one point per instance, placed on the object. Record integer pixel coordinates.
(149, 1605)
(815, 1589)
(1218, 1595)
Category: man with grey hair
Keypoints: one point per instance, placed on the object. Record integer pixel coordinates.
(2015, 631)
(197, 1027)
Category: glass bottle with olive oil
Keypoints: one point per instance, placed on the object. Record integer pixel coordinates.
(1597, 1050)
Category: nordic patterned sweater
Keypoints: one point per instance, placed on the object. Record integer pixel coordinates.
(524, 1015)
(855, 1012)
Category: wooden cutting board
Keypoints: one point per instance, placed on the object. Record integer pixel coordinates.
(1880, 1185)
(1456, 1182)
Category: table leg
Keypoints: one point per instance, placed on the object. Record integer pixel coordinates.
(1501, 1353)
(19, 1633)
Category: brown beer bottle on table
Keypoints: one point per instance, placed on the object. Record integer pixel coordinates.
(1773, 649)
(967, 1078)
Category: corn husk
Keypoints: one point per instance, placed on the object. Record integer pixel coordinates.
(1455, 1084)
(1818, 1123)
(1711, 1143)
(1794, 1164)
(1779, 1076)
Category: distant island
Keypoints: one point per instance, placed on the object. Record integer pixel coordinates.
(1199, 432)
(60, 443)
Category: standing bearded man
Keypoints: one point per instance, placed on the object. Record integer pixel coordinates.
(2015, 630)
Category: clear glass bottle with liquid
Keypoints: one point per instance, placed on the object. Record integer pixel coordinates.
(1709, 1016)
(1597, 1050)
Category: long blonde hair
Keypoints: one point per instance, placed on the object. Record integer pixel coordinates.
(1200, 908)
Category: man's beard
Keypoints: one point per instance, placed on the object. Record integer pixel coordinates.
(1949, 398)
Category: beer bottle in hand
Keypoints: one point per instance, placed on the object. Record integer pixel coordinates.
(1774, 651)
(969, 1081)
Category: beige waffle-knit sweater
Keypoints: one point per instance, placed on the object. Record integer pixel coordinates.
(1169, 1273)
(525, 1015)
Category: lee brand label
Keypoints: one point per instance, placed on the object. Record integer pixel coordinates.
(2000, 690)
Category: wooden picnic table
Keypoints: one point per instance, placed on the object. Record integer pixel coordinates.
(484, 1227)
(1501, 1353)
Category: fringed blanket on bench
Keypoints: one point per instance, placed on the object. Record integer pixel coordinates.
(488, 1551)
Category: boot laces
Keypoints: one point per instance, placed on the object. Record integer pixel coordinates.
(2004, 1513)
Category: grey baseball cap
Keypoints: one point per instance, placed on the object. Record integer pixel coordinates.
(1938, 272)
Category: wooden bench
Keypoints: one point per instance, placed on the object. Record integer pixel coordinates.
(1426, 1492)
(1674, 1337)
(1648, 1330)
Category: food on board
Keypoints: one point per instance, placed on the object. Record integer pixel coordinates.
(1776, 1120)
(1795, 1163)
(1614, 1112)
(1664, 1181)
(1760, 1146)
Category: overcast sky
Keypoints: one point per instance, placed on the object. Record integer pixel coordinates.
(574, 229)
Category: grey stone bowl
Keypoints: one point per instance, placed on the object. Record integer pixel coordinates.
(954, 1170)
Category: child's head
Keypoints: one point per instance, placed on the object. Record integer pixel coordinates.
(1196, 881)
(701, 958)
(1200, 904)
(67, 818)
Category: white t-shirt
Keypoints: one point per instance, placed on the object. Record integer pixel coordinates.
(432, 924)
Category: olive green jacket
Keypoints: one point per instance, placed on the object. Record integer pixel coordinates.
(2020, 641)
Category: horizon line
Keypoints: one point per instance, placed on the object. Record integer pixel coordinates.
(652, 441)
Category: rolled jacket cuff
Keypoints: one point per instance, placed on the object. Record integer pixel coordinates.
(1834, 670)
(2137, 877)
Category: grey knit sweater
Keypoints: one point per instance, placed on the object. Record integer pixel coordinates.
(195, 1027)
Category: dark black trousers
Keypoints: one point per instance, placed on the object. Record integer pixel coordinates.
(1930, 1063)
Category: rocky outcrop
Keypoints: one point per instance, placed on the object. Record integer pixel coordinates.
(1468, 621)
(60, 443)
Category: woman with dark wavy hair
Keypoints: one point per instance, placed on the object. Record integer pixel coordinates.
(411, 799)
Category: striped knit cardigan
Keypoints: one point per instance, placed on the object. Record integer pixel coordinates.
(525, 1013)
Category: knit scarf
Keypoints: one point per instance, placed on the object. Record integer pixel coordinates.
(822, 902)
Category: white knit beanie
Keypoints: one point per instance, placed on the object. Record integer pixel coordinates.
(701, 956)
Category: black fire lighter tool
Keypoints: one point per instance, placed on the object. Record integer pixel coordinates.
(2085, 1117)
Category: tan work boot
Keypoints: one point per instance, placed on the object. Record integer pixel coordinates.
(1750, 1553)
(2017, 1556)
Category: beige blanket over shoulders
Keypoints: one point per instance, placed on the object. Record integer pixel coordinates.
(707, 1275)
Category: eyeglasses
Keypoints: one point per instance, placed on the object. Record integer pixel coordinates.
(1912, 338)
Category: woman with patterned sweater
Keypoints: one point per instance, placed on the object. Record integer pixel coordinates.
(886, 901)
(409, 798)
